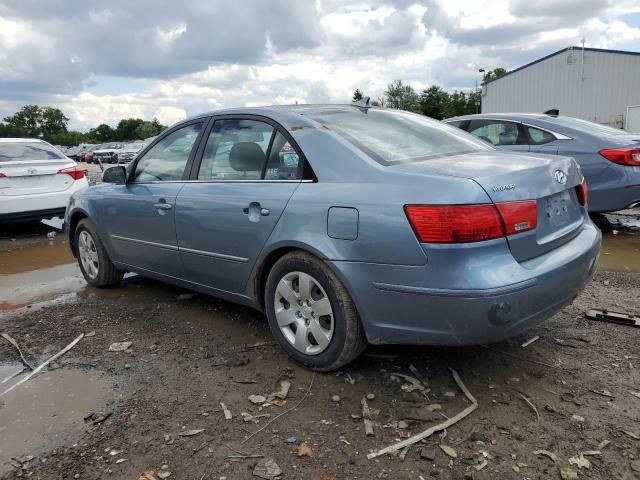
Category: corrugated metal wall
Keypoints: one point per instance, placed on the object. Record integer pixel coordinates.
(610, 83)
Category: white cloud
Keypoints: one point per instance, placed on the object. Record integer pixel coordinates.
(184, 59)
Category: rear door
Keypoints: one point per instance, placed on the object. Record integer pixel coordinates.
(502, 134)
(140, 216)
(31, 168)
(249, 169)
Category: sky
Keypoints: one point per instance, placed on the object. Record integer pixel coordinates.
(102, 61)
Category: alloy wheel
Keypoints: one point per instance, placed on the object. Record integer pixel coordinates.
(88, 254)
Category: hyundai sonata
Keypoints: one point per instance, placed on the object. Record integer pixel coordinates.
(347, 225)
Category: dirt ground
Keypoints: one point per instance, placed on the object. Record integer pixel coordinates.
(95, 413)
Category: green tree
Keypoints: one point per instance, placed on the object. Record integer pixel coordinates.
(401, 96)
(67, 138)
(357, 95)
(102, 133)
(145, 130)
(52, 121)
(34, 121)
(126, 129)
(433, 102)
(495, 73)
(457, 104)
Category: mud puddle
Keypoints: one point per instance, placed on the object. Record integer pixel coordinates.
(46, 411)
(620, 241)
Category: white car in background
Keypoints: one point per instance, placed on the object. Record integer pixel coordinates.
(36, 180)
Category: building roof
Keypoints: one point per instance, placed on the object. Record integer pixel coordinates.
(602, 50)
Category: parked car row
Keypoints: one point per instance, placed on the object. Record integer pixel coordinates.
(114, 152)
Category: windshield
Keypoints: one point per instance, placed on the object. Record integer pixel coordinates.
(392, 136)
(16, 152)
(586, 126)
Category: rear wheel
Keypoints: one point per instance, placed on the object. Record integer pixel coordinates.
(311, 314)
(94, 262)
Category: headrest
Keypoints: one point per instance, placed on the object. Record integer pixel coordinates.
(246, 157)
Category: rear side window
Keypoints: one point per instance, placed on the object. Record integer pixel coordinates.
(539, 137)
(497, 132)
(16, 152)
(391, 136)
(283, 160)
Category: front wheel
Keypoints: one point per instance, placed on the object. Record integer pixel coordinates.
(311, 314)
(94, 262)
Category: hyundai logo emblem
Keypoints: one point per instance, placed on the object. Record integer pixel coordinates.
(560, 177)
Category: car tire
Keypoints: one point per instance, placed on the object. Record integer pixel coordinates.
(346, 337)
(93, 259)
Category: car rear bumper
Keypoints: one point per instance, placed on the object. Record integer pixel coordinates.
(415, 305)
(37, 206)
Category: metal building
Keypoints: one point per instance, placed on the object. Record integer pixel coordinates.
(589, 83)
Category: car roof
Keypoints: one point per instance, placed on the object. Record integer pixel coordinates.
(506, 116)
(21, 140)
(287, 115)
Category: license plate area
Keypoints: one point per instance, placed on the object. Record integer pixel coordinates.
(558, 215)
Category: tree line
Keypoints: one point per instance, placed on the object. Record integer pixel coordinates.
(50, 124)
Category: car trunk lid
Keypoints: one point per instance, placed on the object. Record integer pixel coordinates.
(30, 177)
(509, 177)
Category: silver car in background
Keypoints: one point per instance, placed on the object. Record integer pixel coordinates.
(128, 152)
(609, 157)
(347, 225)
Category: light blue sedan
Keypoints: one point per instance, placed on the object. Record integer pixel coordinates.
(347, 225)
(609, 157)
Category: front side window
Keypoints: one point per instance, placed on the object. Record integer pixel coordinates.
(539, 137)
(168, 158)
(27, 151)
(236, 150)
(497, 132)
(390, 136)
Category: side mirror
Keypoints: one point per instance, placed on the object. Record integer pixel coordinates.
(117, 175)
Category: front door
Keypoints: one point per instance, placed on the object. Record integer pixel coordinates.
(226, 214)
(140, 215)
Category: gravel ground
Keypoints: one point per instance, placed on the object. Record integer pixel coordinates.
(103, 414)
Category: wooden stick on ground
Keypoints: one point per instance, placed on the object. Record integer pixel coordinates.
(533, 407)
(11, 340)
(41, 366)
(366, 418)
(436, 428)
(280, 415)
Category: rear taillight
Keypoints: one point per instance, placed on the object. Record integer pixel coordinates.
(74, 172)
(629, 157)
(581, 192)
(471, 223)
(2, 175)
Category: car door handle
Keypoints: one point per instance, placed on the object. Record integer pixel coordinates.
(253, 207)
(163, 206)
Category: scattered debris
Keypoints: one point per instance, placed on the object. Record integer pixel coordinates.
(191, 433)
(291, 439)
(603, 392)
(577, 418)
(478, 437)
(247, 417)
(285, 386)
(580, 461)
(121, 460)
(344, 440)
(281, 414)
(349, 379)
(591, 453)
(449, 451)
(428, 453)
(533, 407)
(604, 444)
(303, 450)
(227, 412)
(635, 466)
(403, 425)
(547, 453)
(631, 434)
(366, 418)
(147, 475)
(436, 428)
(257, 399)
(414, 383)
(635, 394)
(524, 359)
(185, 296)
(120, 346)
(614, 317)
(335, 398)
(21, 461)
(267, 469)
(43, 365)
(97, 419)
(371, 396)
(12, 341)
(530, 341)
(568, 473)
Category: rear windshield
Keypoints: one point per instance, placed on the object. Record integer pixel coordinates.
(392, 136)
(12, 152)
(586, 126)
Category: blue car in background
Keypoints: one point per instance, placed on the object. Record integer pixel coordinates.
(346, 225)
(609, 157)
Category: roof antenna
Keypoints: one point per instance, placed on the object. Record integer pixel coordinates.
(363, 103)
